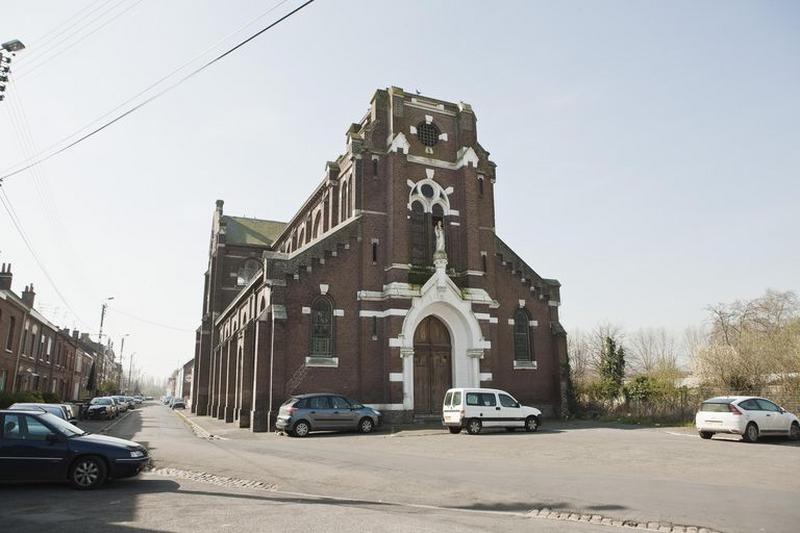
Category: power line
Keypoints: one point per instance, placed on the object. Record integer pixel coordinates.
(6, 201)
(158, 94)
(49, 35)
(151, 322)
(156, 83)
(47, 58)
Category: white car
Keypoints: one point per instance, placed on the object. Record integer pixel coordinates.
(475, 409)
(748, 416)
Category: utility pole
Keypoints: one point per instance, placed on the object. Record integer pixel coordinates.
(101, 367)
(130, 369)
(102, 317)
(121, 351)
(11, 48)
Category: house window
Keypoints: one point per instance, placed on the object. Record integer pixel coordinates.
(375, 167)
(483, 262)
(522, 344)
(374, 252)
(480, 186)
(322, 327)
(12, 324)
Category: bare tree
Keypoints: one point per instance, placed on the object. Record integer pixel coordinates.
(653, 351)
(580, 356)
(751, 342)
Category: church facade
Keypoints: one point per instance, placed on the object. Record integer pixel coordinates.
(389, 285)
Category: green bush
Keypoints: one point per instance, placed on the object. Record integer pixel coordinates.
(9, 398)
(51, 397)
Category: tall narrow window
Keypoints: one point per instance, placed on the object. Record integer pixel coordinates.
(480, 186)
(483, 262)
(374, 327)
(522, 344)
(375, 167)
(344, 204)
(322, 328)
(12, 324)
(374, 252)
(419, 235)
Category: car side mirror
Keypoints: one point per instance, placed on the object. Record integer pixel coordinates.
(783, 411)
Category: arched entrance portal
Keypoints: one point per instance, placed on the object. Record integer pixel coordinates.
(433, 370)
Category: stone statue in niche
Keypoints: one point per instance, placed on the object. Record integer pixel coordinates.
(439, 232)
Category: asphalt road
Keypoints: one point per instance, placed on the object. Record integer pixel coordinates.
(425, 480)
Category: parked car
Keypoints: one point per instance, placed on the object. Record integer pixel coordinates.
(748, 416)
(122, 404)
(166, 400)
(101, 407)
(137, 399)
(177, 403)
(475, 409)
(38, 446)
(72, 412)
(130, 401)
(55, 408)
(302, 414)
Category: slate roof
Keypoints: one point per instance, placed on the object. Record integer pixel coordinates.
(251, 231)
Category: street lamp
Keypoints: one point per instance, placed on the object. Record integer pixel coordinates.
(14, 45)
(11, 47)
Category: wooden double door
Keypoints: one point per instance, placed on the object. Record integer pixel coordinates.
(433, 369)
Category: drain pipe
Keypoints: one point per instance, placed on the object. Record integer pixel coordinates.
(271, 367)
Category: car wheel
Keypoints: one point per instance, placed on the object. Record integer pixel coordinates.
(750, 433)
(454, 430)
(301, 429)
(531, 424)
(794, 431)
(474, 426)
(706, 434)
(87, 473)
(366, 425)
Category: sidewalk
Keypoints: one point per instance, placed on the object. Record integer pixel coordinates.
(215, 427)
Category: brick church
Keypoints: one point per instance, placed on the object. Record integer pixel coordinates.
(389, 285)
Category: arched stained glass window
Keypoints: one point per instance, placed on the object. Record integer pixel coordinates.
(322, 327)
(522, 343)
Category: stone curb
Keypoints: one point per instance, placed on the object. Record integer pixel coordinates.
(545, 513)
(196, 428)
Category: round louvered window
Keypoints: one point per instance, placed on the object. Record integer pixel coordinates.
(428, 134)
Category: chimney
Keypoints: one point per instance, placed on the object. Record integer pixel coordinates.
(220, 203)
(28, 295)
(75, 334)
(5, 277)
(85, 337)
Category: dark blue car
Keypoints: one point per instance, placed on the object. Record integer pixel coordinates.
(38, 446)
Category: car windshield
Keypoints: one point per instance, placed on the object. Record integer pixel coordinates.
(62, 426)
(100, 401)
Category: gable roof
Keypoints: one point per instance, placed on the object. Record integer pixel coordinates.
(251, 231)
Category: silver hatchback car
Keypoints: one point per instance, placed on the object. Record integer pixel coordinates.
(304, 413)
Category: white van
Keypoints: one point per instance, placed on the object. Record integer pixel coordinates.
(476, 409)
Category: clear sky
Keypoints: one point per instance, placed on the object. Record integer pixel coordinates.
(648, 152)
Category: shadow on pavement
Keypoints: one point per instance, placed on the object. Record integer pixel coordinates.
(58, 507)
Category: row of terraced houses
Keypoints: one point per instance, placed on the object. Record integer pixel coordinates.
(38, 356)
